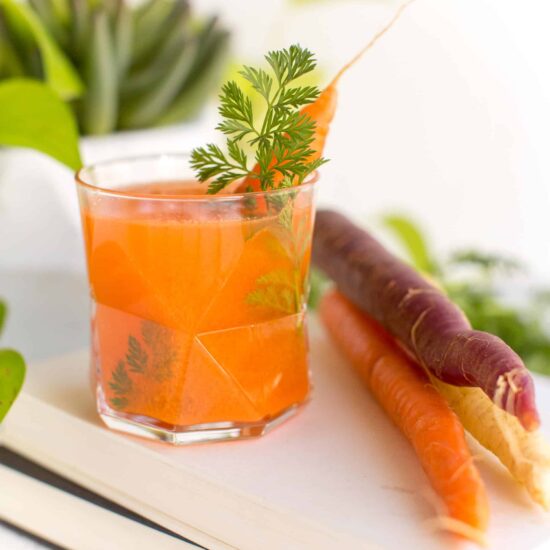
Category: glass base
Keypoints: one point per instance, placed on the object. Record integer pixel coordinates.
(198, 433)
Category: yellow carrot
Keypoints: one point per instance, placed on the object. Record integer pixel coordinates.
(525, 454)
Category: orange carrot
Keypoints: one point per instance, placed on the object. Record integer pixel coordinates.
(322, 110)
(419, 411)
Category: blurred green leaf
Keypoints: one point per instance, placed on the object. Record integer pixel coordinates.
(33, 116)
(484, 261)
(59, 73)
(100, 102)
(144, 78)
(80, 28)
(11, 63)
(12, 375)
(524, 326)
(203, 77)
(149, 106)
(318, 284)
(101, 54)
(123, 36)
(413, 241)
(152, 19)
(49, 16)
(62, 10)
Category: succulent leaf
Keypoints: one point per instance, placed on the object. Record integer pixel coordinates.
(191, 98)
(123, 38)
(146, 109)
(42, 49)
(11, 64)
(101, 100)
(143, 78)
(153, 22)
(80, 15)
(150, 58)
(47, 12)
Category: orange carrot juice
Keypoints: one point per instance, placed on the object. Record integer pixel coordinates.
(198, 306)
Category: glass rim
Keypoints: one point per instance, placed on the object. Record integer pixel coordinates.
(310, 180)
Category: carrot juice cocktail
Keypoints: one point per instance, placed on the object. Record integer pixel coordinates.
(198, 300)
(198, 267)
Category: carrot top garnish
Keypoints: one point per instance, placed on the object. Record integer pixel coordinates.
(280, 140)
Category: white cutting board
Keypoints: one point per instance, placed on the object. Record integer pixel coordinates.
(337, 476)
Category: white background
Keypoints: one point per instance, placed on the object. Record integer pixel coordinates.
(447, 118)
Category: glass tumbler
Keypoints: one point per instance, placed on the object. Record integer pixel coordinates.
(198, 301)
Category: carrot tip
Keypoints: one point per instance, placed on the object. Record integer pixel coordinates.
(530, 421)
(527, 413)
(544, 500)
(373, 40)
(458, 527)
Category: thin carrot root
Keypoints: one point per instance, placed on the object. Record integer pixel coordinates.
(322, 110)
(457, 527)
(415, 406)
(398, 13)
(525, 454)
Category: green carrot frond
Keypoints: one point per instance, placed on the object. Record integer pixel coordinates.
(120, 383)
(280, 140)
(291, 63)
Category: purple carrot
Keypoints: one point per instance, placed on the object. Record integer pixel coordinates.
(430, 327)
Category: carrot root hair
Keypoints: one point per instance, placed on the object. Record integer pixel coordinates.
(457, 527)
(370, 44)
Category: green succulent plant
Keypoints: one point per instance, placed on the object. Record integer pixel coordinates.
(118, 66)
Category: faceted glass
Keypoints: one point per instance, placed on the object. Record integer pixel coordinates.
(198, 301)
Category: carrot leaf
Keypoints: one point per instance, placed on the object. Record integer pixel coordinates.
(411, 238)
(280, 140)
